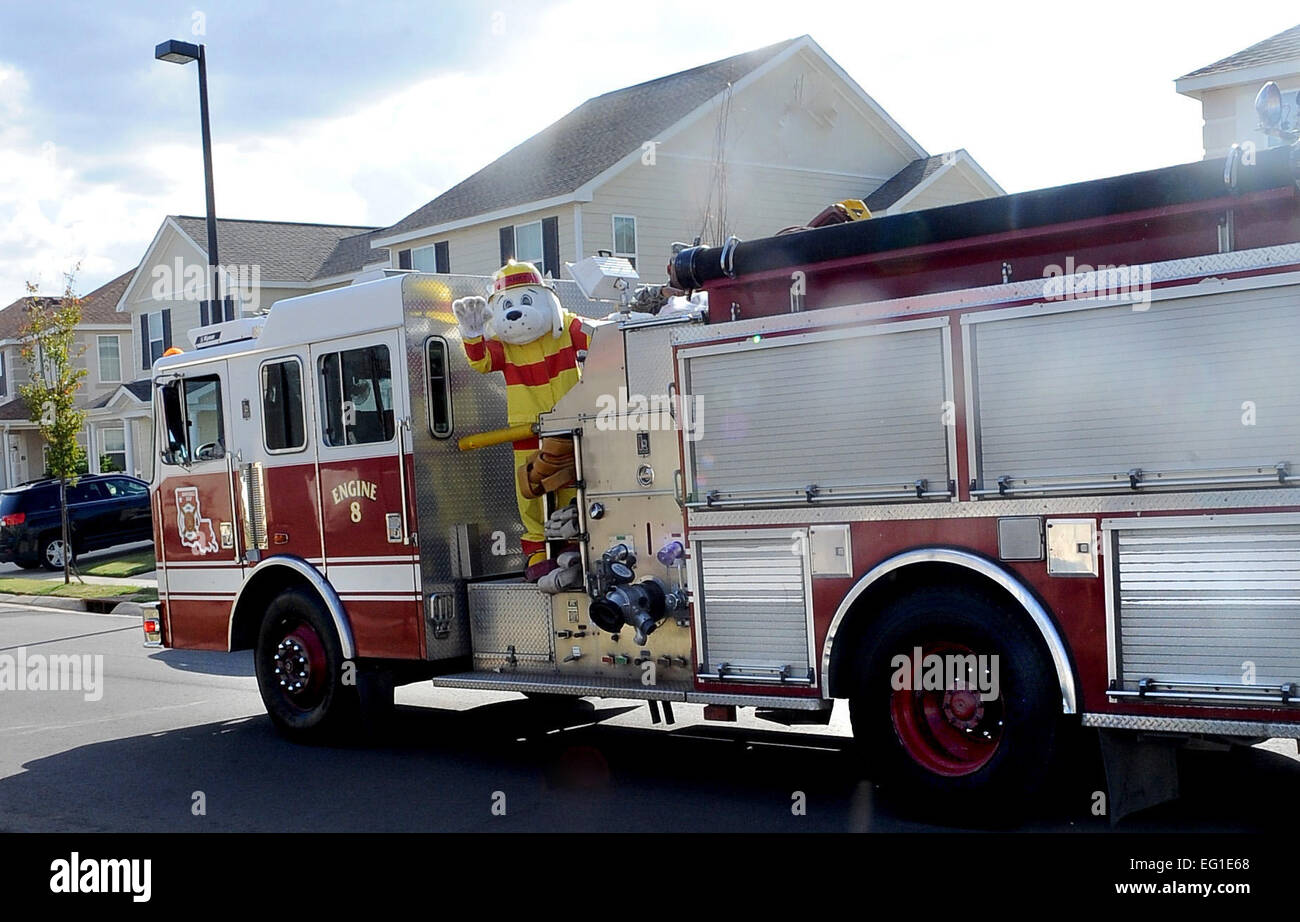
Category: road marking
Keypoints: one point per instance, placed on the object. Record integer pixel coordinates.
(41, 643)
(98, 720)
(63, 611)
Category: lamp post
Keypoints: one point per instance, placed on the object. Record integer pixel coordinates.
(178, 52)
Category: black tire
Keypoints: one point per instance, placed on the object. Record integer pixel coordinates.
(948, 751)
(326, 707)
(49, 545)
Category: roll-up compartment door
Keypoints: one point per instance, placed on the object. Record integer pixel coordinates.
(844, 412)
(1192, 384)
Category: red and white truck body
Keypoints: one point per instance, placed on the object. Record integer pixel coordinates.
(1060, 429)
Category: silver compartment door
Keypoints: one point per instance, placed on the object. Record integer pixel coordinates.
(849, 411)
(752, 598)
(1189, 384)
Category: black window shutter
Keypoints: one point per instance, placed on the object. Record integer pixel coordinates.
(167, 329)
(144, 342)
(228, 307)
(442, 257)
(403, 259)
(551, 247)
(507, 243)
(204, 314)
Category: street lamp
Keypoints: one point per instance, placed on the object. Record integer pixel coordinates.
(178, 52)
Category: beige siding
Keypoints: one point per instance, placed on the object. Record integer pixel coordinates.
(798, 115)
(952, 187)
(670, 200)
(476, 250)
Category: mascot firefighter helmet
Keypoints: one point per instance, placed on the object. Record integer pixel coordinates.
(522, 306)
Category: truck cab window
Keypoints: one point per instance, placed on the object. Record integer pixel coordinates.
(194, 427)
(282, 411)
(438, 371)
(356, 395)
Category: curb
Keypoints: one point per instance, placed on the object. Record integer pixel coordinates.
(104, 606)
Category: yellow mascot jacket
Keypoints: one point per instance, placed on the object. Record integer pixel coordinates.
(537, 374)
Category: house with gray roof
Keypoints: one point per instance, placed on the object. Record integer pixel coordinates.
(103, 339)
(261, 262)
(1226, 91)
(163, 299)
(746, 145)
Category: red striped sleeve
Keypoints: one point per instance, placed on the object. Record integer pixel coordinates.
(577, 333)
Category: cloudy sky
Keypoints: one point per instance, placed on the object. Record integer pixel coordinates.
(358, 112)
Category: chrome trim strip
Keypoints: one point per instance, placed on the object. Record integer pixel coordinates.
(338, 614)
(486, 681)
(1055, 646)
(1192, 725)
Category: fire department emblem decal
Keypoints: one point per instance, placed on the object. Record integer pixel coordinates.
(196, 532)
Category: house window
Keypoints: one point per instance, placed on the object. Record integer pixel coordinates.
(356, 396)
(528, 245)
(625, 237)
(110, 359)
(282, 414)
(155, 336)
(432, 258)
(112, 457)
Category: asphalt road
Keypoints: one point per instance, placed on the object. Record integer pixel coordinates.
(170, 724)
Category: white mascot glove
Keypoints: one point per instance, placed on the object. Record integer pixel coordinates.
(472, 315)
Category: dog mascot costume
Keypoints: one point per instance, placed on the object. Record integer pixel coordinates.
(534, 343)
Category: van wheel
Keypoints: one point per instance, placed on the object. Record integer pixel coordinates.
(977, 737)
(52, 552)
(300, 670)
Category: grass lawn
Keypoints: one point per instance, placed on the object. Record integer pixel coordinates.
(129, 564)
(19, 585)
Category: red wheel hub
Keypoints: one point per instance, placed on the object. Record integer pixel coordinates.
(299, 666)
(949, 731)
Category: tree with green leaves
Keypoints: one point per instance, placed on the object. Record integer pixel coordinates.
(49, 349)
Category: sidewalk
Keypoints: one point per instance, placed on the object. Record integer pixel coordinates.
(149, 579)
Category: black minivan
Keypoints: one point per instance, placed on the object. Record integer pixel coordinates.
(103, 510)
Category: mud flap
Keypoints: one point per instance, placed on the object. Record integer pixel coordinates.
(375, 691)
(1141, 771)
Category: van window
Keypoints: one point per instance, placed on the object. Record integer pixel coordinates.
(282, 413)
(356, 396)
(437, 368)
(194, 424)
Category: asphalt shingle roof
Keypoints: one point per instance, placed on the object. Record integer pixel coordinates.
(586, 142)
(1281, 47)
(903, 182)
(286, 250)
(99, 306)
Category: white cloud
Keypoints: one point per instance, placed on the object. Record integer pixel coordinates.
(1028, 91)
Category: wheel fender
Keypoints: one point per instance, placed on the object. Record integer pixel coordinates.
(986, 568)
(333, 604)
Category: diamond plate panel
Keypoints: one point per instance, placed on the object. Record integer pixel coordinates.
(509, 614)
(466, 516)
(1272, 730)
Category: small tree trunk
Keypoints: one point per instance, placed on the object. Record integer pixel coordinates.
(67, 546)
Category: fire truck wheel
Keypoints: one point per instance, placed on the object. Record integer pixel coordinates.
(957, 708)
(301, 672)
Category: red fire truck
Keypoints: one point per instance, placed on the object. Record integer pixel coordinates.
(1048, 439)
